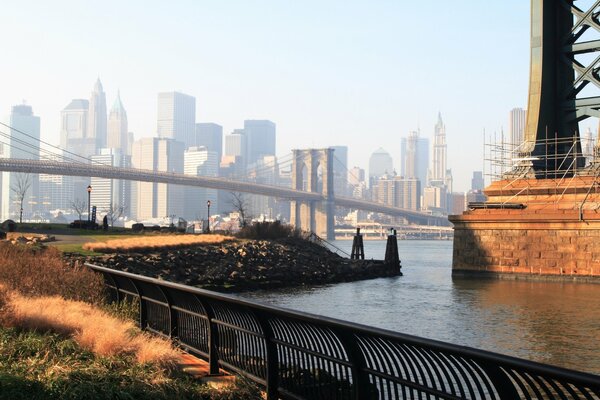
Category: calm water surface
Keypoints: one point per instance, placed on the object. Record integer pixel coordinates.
(555, 323)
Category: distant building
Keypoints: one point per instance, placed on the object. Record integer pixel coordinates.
(435, 199)
(157, 200)
(397, 191)
(261, 139)
(477, 182)
(210, 135)
(111, 193)
(56, 191)
(380, 164)
(200, 161)
(25, 128)
(356, 176)
(587, 145)
(415, 157)
(118, 135)
(74, 129)
(177, 117)
(340, 170)
(440, 150)
(516, 127)
(457, 203)
(97, 117)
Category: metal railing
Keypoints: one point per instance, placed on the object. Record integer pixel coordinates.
(302, 356)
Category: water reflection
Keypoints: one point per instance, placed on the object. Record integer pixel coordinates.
(556, 323)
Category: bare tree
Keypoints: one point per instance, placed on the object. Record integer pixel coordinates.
(79, 206)
(239, 202)
(19, 190)
(114, 212)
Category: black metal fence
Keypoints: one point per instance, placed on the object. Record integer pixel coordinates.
(302, 356)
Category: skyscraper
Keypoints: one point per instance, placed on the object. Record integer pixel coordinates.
(340, 170)
(516, 127)
(415, 157)
(74, 129)
(97, 117)
(235, 144)
(438, 170)
(210, 135)
(25, 127)
(380, 163)
(177, 117)
(260, 139)
(477, 182)
(107, 193)
(118, 135)
(157, 200)
(200, 161)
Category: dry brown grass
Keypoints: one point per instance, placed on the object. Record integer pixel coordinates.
(43, 272)
(154, 242)
(90, 327)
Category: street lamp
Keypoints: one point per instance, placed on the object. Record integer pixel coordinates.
(89, 190)
(208, 217)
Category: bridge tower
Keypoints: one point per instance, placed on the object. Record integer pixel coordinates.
(541, 218)
(564, 86)
(312, 171)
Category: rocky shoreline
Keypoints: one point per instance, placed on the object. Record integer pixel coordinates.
(248, 265)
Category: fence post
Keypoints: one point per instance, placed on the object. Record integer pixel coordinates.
(360, 380)
(213, 338)
(172, 313)
(272, 361)
(142, 309)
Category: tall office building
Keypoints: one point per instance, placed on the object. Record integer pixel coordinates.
(415, 157)
(260, 139)
(477, 182)
(210, 135)
(200, 161)
(380, 163)
(440, 149)
(22, 142)
(587, 145)
(56, 191)
(397, 191)
(177, 117)
(235, 150)
(340, 170)
(74, 129)
(97, 117)
(150, 200)
(110, 193)
(516, 127)
(118, 135)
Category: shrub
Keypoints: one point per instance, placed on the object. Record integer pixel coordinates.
(271, 231)
(35, 271)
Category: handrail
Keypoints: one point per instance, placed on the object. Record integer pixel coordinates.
(298, 355)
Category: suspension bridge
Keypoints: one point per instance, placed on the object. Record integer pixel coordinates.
(311, 196)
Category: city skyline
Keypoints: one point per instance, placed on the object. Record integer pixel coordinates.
(350, 74)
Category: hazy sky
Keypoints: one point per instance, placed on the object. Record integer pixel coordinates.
(356, 73)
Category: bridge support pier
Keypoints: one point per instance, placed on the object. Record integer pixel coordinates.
(312, 171)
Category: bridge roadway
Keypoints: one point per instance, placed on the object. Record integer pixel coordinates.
(134, 174)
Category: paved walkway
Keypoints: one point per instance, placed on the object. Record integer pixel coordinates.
(199, 368)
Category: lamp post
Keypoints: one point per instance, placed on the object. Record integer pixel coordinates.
(208, 217)
(89, 190)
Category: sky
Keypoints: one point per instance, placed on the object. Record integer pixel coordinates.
(357, 73)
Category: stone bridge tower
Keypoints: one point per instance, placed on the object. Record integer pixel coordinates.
(312, 171)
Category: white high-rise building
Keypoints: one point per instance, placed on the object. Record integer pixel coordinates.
(150, 200)
(200, 161)
(110, 193)
(440, 149)
(415, 157)
(118, 135)
(177, 117)
(235, 144)
(516, 127)
(22, 143)
(56, 191)
(380, 164)
(97, 117)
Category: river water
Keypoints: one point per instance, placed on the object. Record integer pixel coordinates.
(549, 322)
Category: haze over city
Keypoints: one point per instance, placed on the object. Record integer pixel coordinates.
(341, 73)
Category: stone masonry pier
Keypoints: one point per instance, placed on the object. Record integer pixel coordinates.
(535, 228)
